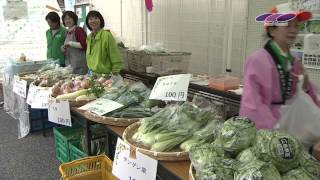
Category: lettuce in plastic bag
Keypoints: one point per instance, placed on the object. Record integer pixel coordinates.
(236, 135)
(282, 149)
(202, 155)
(297, 174)
(310, 164)
(247, 155)
(218, 168)
(257, 170)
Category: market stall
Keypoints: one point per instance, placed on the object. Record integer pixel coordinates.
(205, 110)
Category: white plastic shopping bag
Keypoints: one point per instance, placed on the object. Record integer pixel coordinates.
(301, 117)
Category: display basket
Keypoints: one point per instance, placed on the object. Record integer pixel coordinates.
(174, 155)
(192, 173)
(110, 120)
(89, 168)
(78, 103)
(27, 76)
(72, 103)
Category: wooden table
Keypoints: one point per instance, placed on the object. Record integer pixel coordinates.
(179, 168)
(166, 169)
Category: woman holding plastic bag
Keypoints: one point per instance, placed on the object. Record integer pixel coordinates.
(271, 74)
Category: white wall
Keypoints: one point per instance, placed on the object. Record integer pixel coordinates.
(197, 26)
(193, 26)
(25, 35)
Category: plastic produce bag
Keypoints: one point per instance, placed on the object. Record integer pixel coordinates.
(117, 80)
(257, 170)
(153, 48)
(218, 168)
(310, 164)
(247, 155)
(202, 155)
(298, 174)
(236, 135)
(301, 117)
(15, 105)
(98, 141)
(280, 148)
(216, 107)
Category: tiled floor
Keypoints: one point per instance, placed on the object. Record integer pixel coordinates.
(29, 158)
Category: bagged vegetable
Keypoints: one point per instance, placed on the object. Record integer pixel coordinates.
(257, 170)
(205, 135)
(98, 141)
(247, 155)
(202, 155)
(236, 135)
(114, 92)
(282, 149)
(298, 174)
(218, 168)
(131, 112)
(136, 93)
(310, 164)
(171, 126)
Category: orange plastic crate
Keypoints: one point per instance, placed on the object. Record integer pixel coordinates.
(224, 82)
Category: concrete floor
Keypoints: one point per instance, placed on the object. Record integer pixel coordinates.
(29, 158)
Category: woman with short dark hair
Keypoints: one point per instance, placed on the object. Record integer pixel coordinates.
(102, 54)
(75, 44)
(55, 38)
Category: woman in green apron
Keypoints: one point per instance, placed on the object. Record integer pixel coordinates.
(55, 38)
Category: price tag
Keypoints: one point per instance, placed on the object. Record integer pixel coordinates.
(171, 88)
(19, 86)
(31, 94)
(101, 106)
(59, 112)
(41, 97)
(127, 168)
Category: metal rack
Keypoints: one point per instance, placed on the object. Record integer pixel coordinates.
(230, 101)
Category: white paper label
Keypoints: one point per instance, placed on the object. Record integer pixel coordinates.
(127, 168)
(40, 99)
(101, 106)
(31, 94)
(171, 88)
(20, 86)
(59, 112)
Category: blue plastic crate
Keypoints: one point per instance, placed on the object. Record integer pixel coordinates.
(35, 120)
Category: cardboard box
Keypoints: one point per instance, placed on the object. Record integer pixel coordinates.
(161, 63)
(171, 63)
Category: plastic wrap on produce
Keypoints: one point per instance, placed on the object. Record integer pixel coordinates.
(14, 104)
(13, 68)
(16, 107)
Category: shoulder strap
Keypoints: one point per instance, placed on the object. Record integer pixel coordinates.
(284, 77)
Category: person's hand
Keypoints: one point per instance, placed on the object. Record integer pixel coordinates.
(63, 49)
(306, 81)
(67, 44)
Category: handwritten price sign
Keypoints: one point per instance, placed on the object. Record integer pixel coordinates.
(59, 112)
(101, 106)
(126, 167)
(40, 99)
(20, 86)
(171, 88)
